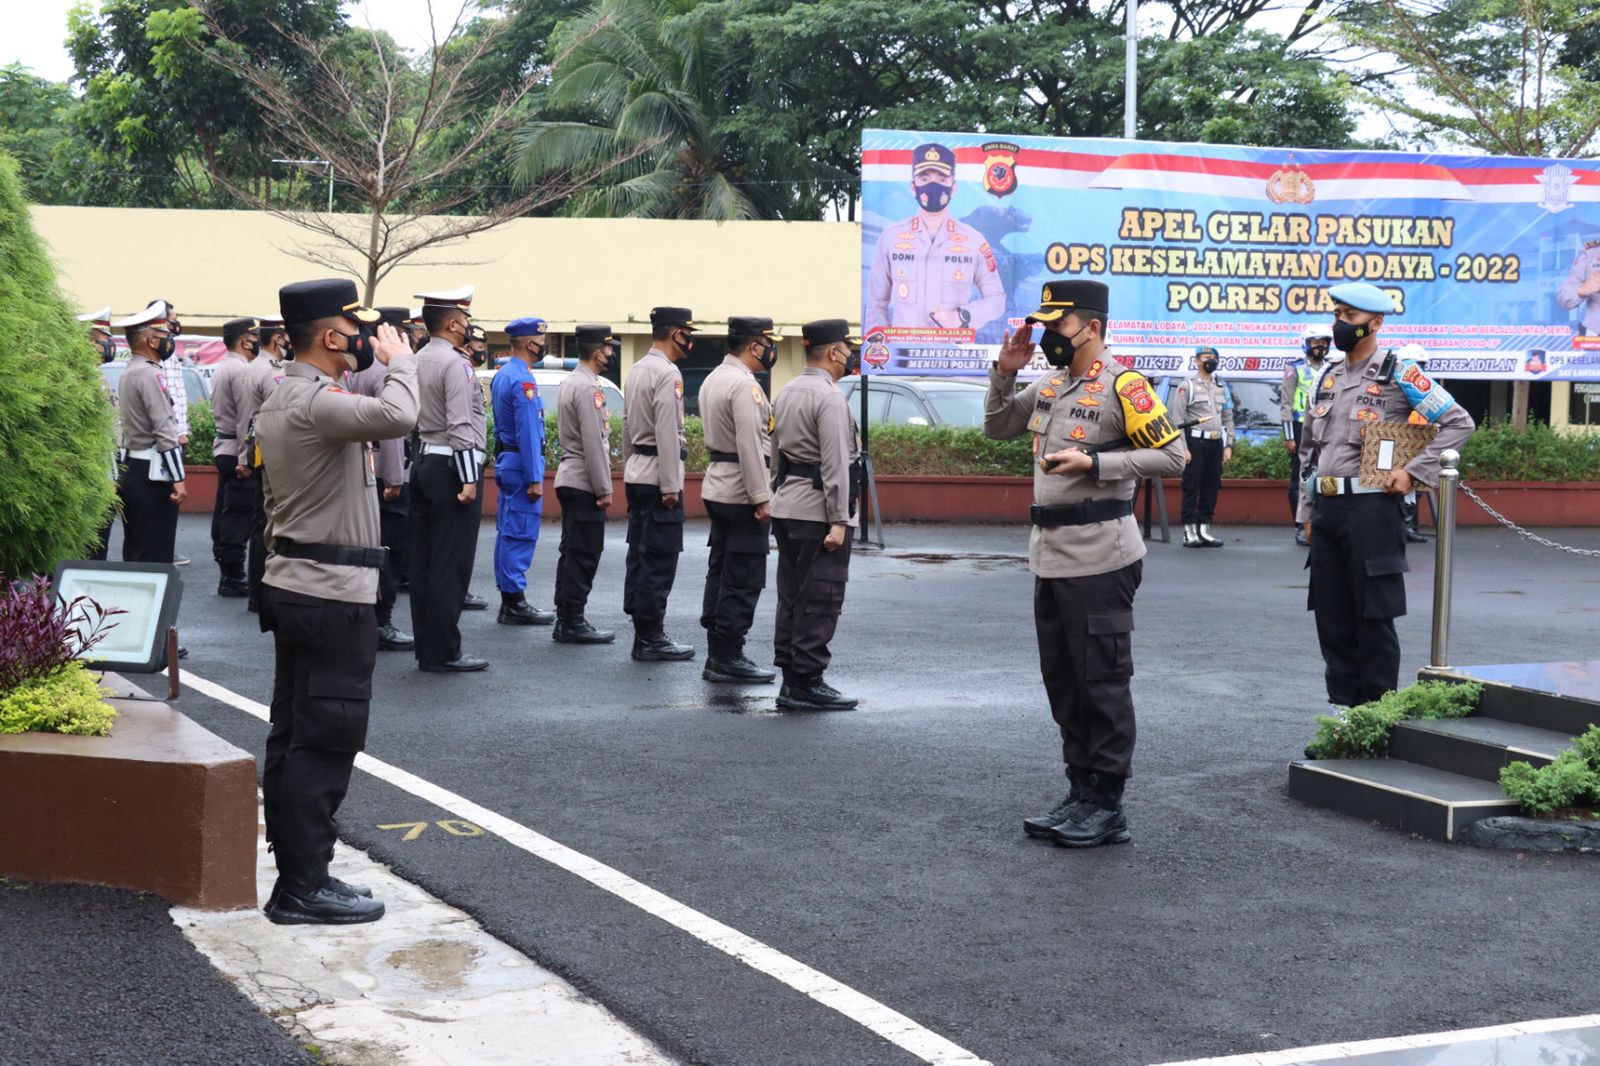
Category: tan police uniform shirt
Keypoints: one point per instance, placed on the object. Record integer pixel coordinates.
(147, 418)
(263, 376)
(919, 267)
(737, 418)
(388, 455)
(652, 404)
(448, 413)
(1105, 405)
(585, 428)
(317, 494)
(1346, 399)
(1205, 404)
(227, 388)
(815, 426)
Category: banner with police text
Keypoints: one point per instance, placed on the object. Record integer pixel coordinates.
(1494, 261)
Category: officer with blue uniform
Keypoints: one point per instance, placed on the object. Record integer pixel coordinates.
(519, 471)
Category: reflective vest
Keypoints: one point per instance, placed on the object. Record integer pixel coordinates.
(1304, 376)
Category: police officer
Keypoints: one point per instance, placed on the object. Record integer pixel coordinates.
(445, 505)
(654, 448)
(152, 479)
(1582, 288)
(925, 267)
(391, 471)
(416, 332)
(264, 375)
(233, 512)
(477, 347)
(1358, 544)
(519, 471)
(813, 510)
(738, 432)
(583, 484)
(1293, 399)
(1208, 404)
(100, 336)
(322, 578)
(1085, 551)
(99, 323)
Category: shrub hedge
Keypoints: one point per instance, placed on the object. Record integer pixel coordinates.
(1571, 781)
(1363, 732)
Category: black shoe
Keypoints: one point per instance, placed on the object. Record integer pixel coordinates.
(465, 665)
(737, 670)
(348, 889)
(1413, 537)
(1041, 824)
(579, 631)
(324, 905)
(1089, 825)
(391, 639)
(661, 648)
(523, 614)
(234, 590)
(471, 602)
(1300, 537)
(815, 695)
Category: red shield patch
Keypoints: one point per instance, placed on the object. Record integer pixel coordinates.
(599, 400)
(1137, 393)
(530, 391)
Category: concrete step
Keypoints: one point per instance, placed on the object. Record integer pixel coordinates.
(1475, 747)
(1419, 799)
(1564, 696)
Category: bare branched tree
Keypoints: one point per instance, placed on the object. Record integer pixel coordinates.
(380, 124)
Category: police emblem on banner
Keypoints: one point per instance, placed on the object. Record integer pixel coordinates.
(1291, 185)
(875, 350)
(1000, 168)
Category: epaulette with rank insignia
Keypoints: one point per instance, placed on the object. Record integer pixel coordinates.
(1144, 416)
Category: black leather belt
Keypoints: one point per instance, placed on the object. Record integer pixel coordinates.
(731, 457)
(227, 436)
(651, 449)
(1081, 513)
(332, 554)
(502, 446)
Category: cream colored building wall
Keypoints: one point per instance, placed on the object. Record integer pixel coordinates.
(219, 265)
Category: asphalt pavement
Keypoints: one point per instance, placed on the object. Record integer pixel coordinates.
(882, 846)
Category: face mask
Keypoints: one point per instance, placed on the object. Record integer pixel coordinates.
(1057, 348)
(686, 342)
(767, 356)
(108, 351)
(852, 363)
(537, 353)
(932, 196)
(1346, 335)
(1317, 352)
(1208, 365)
(479, 356)
(358, 351)
(165, 347)
(175, 326)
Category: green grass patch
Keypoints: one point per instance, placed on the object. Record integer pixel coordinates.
(1363, 732)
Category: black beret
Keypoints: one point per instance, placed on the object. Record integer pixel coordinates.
(234, 329)
(307, 301)
(680, 317)
(593, 333)
(827, 331)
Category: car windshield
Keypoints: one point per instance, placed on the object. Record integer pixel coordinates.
(956, 406)
(1255, 404)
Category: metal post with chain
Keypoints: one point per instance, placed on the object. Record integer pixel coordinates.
(1591, 553)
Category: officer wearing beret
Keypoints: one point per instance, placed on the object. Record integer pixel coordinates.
(1358, 534)
(321, 581)
(1294, 400)
(519, 471)
(233, 511)
(152, 480)
(445, 506)
(583, 484)
(1097, 430)
(925, 267)
(264, 375)
(737, 417)
(654, 448)
(813, 510)
(390, 466)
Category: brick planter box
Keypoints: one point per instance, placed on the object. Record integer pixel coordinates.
(161, 805)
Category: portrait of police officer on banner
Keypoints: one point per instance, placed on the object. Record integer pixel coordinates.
(930, 271)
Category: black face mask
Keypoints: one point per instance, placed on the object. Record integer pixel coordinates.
(1208, 365)
(932, 195)
(1346, 335)
(852, 363)
(479, 356)
(175, 326)
(767, 356)
(165, 347)
(1317, 352)
(1058, 349)
(358, 350)
(108, 351)
(686, 342)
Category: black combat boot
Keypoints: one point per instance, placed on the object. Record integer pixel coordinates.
(1098, 819)
(515, 610)
(1413, 511)
(652, 645)
(1041, 824)
(573, 628)
(813, 694)
(727, 663)
(306, 895)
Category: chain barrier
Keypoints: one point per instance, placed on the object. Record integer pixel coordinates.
(1526, 533)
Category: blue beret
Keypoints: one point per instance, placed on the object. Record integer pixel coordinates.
(526, 327)
(1363, 296)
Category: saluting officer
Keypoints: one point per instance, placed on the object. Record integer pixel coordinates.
(390, 467)
(233, 512)
(265, 374)
(583, 484)
(1293, 401)
(813, 510)
(519, 471)
(1097, 430)
(1358, 536)
(1581, 289)
(654, 448)
(1208, 403)
(445, 507)
(322, 578)
(152, 480)
(738, 431)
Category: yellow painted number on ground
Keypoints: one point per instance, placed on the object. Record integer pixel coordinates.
(453, 826)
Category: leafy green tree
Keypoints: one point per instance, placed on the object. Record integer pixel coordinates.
(55, 422)
(33, 117)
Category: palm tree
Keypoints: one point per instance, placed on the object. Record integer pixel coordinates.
(630, 81)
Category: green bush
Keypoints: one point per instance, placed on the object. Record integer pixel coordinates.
(944, 450)
(1362, 732)
(55, 424)
(68, 700)
(202, 435)
(1571, 781)
(1267, 460)
(1496, 452)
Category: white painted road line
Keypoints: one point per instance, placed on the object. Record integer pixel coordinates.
(877, 1018)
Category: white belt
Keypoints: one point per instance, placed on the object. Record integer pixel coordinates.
(437, 449)
(144, 453)
(1205, 434)
(1343, 486)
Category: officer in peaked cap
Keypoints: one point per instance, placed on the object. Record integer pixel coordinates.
(152, 479)
(654, 448)
(925, 268)
(519, 471)
(1358, 542)
(415, 330)
(1085, 552)
(233, 513)
(445, 505)
(737, 417)
(264, 374)
(583, 484)
(100, 332)
(321, 581)
(815, 491)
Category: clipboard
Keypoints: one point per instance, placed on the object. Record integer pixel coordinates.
(1387, 446)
